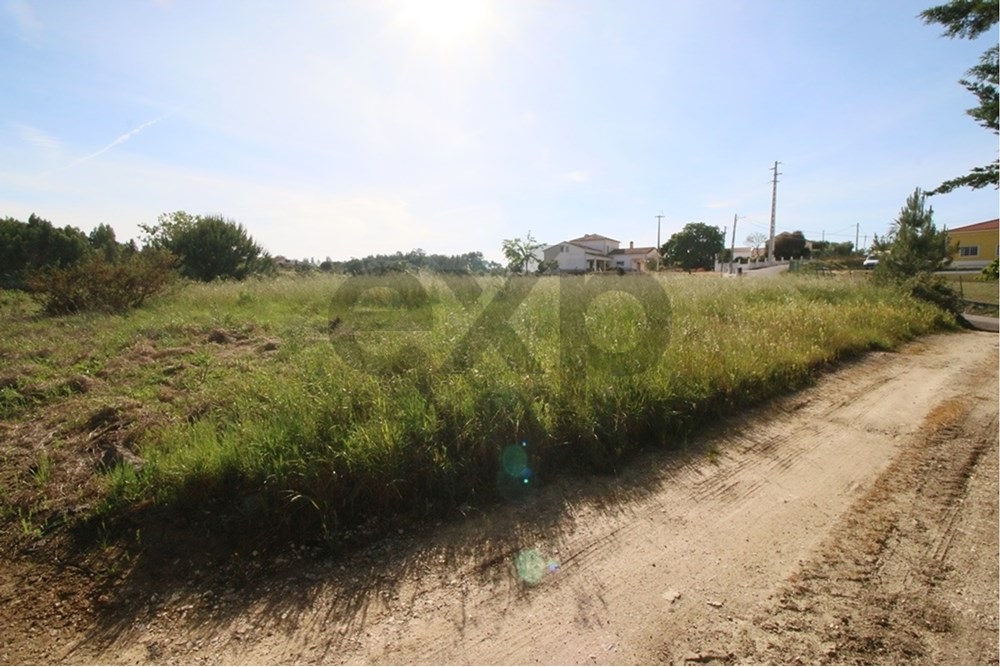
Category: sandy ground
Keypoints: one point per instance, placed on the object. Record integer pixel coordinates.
(853, 522)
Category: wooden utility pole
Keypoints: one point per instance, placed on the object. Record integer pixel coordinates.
(732, 244)
(857, 228)
(774, 203)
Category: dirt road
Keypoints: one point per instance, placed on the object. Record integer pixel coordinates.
(855, 521)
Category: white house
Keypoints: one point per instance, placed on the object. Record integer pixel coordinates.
(594, 252)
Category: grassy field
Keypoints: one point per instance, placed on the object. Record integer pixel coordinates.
(972, 288)
(325, 402)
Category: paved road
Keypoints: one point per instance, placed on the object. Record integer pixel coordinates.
(983, 323)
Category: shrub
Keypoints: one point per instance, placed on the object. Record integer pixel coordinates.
(96, 284)
(935, 290)
(991, 272)
(208, 247)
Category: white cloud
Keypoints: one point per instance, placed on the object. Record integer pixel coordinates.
(37, 138)
(577, 176)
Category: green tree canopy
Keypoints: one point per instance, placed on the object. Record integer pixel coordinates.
(831, 249)
(694, 247)
(790, 245)
(36, 245)
(208, 247)
(970, 19)
(520, 253)
(103, 242)
(914, 243)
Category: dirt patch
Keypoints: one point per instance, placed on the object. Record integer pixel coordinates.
(855, 521)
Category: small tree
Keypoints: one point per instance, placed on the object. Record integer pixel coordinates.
(520, 253)
(208, 247)
(694, 247)
(790, 245)
(916, 246)
(756, 240)
(916, 250)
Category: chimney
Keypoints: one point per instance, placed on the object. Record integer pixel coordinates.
(631, 245)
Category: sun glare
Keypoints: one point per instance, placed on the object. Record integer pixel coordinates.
(445, 22)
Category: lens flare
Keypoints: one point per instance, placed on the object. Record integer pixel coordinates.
(515, 462)
(532, 566)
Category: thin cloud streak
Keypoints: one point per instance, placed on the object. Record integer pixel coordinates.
(120, 140)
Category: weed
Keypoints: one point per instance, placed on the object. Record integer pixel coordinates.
(410, 402)
(41, 472)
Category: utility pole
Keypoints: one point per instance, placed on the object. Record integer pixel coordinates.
(857, 228)
(774, 203)
(722, 265)
(659, 218)
(732, 245)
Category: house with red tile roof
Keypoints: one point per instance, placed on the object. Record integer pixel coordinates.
(593, 252)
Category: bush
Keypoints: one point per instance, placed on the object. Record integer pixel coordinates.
(935, 290)
(208, 247)
(991, 272)
(96, 284)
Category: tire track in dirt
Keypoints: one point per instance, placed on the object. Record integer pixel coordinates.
(704, 555)
(877, 591)
(712, 533)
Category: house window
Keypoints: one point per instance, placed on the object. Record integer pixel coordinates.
(620, 262)
(968, 251)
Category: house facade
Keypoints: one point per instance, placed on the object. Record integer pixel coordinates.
(974, 246)
(593, 252)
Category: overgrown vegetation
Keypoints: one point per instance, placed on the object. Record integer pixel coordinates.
(99, 284)
(914, 250)
(315, 403)
(208, 247)
(992, 271)
(37, 245)
(68, 271)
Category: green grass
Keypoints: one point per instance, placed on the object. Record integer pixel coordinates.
(972, 288)
(413, 401)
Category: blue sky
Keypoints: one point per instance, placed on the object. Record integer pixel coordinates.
(346, 128)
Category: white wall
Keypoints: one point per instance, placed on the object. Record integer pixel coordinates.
(570, 257)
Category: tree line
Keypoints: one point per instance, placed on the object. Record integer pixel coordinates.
(67, 270)
(414, 260)
(202, 247)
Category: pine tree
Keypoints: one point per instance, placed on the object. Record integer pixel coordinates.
(917, 245)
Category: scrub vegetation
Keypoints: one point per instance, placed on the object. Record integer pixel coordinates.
(327, 402)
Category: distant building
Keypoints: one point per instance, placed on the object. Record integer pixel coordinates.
(974, 246)
(594, 252)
